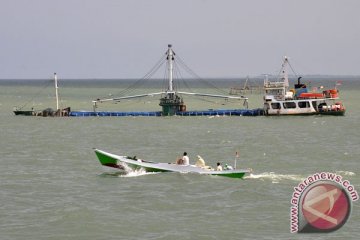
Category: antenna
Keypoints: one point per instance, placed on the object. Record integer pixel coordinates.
(56, 92)
(170, 58)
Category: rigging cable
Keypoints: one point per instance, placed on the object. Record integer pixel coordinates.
(186, 85)
(182, 79)
(292, 69)
(42, 89)
(296, 75)
(191, 72)
(142, 80)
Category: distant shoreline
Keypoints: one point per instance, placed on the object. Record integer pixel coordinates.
(261, 77)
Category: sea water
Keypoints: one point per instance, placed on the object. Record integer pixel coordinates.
(53, 187)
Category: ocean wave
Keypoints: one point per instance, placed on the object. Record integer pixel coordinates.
(137, 173)
(345, 173)
(274, 177)
(130, 173)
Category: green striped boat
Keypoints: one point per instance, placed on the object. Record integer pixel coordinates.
(127, 163)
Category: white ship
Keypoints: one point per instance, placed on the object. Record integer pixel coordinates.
(279, 99)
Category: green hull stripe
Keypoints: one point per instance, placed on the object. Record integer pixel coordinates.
(105, 160)
(230, 175)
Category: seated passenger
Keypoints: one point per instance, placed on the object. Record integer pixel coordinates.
(219, 167)
(228, 167)
(179, 161)
(200, 162)
(185, 158)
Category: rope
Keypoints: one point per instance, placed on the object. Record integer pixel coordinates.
(292, 69)
(178, 65)
(197, 77)
(182, 79)
(142, 80)
(296, 75)
(37, 93)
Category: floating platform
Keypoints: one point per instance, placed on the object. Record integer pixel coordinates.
(210, 112)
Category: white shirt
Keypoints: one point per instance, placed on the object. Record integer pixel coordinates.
(186, 160)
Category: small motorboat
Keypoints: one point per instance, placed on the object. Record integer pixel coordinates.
(127, 163)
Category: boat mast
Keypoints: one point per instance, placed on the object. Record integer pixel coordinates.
(56, 92)
(246, 82)
(170, 58)
(171, 103)
(285, 76)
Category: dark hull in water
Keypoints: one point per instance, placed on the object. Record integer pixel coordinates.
(24, 113)
(334, 113)
(44, 113)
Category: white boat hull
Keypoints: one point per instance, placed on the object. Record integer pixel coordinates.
(125, 162)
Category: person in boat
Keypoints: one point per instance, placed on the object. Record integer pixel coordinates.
(179, 161)
(219, 167)
(200, 162)
(185, 158)
(228, 167)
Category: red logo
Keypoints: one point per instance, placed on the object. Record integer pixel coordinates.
(325, 207)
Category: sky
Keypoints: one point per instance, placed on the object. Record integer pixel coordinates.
(227, 38)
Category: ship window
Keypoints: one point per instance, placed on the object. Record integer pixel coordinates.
(289, 105)
(304, 104)
(314, 104)
(275, 105)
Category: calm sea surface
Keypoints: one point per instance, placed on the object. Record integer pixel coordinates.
(53, 187)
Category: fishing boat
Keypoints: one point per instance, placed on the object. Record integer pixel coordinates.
(279, 99)
(171, 99)
(126, 163)
(48, 112)
(17, 111)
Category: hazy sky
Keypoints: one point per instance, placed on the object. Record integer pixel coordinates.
(216, 38)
